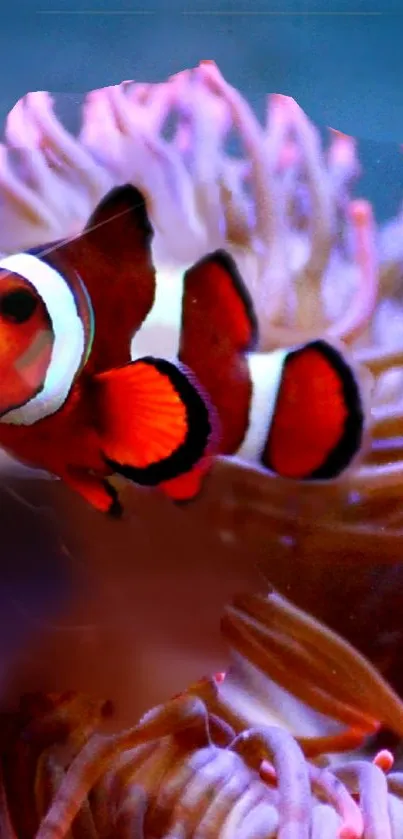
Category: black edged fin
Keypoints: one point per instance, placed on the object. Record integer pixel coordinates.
(156, 424)
(218, 282)
(121, 212)
(318, 423)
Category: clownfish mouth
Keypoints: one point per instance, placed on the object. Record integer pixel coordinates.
(66, 333)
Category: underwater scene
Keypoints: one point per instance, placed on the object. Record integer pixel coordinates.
(201, 469)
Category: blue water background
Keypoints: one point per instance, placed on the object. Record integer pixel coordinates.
(341, 59)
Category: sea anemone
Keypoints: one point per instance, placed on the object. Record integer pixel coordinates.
(270, 749)
(249, 755)
(210, 762)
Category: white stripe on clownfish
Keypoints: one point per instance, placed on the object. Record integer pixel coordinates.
(160, 334)
(266, 373)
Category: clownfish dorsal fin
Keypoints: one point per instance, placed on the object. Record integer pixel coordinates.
(219, 328)
(113, 258)
(207, 303)
(214, 285)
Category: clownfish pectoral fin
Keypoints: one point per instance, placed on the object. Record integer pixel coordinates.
(318, 422)
(97, 491)
(154, 423)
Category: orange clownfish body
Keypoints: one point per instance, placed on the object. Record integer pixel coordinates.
(72, 401)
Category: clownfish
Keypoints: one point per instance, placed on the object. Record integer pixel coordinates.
(83, 395)
(297, 412)
(72, 400)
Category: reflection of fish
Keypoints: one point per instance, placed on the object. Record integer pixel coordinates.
(71, 400)
(297, 412)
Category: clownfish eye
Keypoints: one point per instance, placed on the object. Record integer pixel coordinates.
(18, 306)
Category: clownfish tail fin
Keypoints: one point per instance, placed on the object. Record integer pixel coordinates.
(155, 424)
(315, 415)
